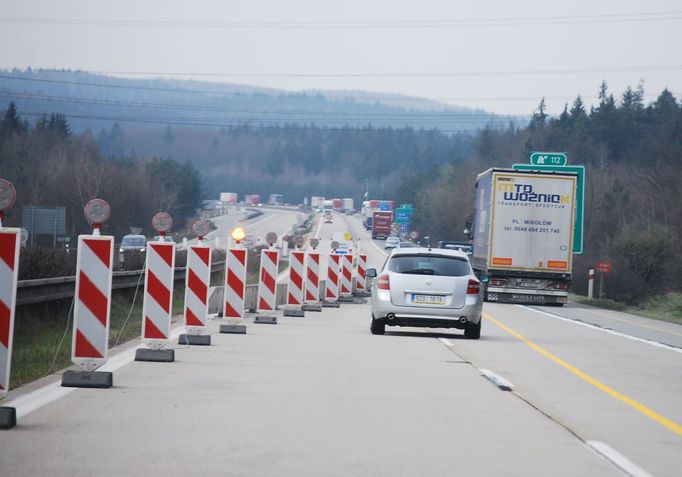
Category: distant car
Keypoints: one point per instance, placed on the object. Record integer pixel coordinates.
(422, 287)
(465, 247)
(407, 245)
(391, 242)
(133, 242)
(328, 219)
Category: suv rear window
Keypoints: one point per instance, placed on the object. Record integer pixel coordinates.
(423, 264)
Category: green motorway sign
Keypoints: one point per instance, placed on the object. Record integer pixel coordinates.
(580, 197)
(549, 158)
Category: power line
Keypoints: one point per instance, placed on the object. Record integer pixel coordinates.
(600, 69)
(356, 24)
(235, 125)
(331, 97)
(425, 115)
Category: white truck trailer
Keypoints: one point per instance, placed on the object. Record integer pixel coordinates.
(523, 235)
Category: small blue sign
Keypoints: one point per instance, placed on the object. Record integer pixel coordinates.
(404, 228)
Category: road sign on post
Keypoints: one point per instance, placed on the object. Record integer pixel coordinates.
(549, 158)
(604, 267)
(579, 199)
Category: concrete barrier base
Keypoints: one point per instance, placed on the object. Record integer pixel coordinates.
(233, 329)
(298, 313)
(330, 304)
(87, 379)
(310, 307)
(346, 299)
(195, 340)
(8, 417)
(155, 355)
(265, 319)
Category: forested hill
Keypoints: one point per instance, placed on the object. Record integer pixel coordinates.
(95, 101)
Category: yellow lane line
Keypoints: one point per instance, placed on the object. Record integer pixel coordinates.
(651, 414)
(662, 330)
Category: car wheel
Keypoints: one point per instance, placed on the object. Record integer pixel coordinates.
(377, 327)
(472, 331)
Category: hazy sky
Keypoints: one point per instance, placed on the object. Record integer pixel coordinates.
(500, 55)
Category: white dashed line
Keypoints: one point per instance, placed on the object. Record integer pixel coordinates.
(616, 458)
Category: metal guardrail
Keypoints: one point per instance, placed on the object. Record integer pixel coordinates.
(216, 296)
(41, 290)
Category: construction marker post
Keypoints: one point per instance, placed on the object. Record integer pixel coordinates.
(10, 244)
(158, 295)
(235, 285)
(590, 284)
(346, 279)
(295, 287)
(267, 283)
(92, 303)
(312, 279)
(331, 294)
(197, 282)
(361, 275)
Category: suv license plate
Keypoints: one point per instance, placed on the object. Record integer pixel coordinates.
(427, 299)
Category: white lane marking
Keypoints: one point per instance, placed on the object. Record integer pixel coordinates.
(611, 332)
(47, 394)
(497, 380)
(446, 342)
(618, 459)
(494, 378)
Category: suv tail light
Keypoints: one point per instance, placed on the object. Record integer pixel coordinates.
(383, 282)
(474, 287)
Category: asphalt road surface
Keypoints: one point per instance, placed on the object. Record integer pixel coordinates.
(320, 395)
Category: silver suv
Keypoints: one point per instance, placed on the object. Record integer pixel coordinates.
(429, 288)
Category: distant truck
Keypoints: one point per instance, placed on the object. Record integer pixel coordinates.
(382, 224)
(327, 207)
(276, 199)
(347, 204)
(316, 202)
(337, 204)
(228, 198)
(523, 235)
(252, 199)
(371, 206)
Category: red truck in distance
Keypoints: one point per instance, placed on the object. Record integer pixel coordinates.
(382, 222)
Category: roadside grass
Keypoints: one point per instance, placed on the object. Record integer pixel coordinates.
(665, 308)
(40, 328)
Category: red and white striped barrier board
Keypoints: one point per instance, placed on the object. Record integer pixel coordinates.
(235, 283)
(92, 303)
(361, 274)
(197, 282)
(295, 286)
(312, 278)
(158, 293)
(333, 272)
(346, 275)
(10, 243)
(267, 282)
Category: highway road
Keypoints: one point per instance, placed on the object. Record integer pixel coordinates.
(279, 221)
(593, 393)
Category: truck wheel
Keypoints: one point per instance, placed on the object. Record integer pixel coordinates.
(377, 327)
(472, 331)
